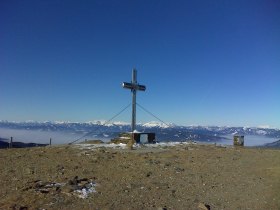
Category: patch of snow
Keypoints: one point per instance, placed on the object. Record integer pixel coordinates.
(94, 146)
(166, 144)
(124, 137)
(121, 123)
(156, 124)
(263, 126)
(261, 132)
(60, 122)
(54, 184)
(84, 192)
(106, 123)
(123, 146)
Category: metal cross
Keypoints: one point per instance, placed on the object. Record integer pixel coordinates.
(133, 86)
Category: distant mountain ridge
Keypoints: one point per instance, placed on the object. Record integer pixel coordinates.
(275, 144)
(97, 129)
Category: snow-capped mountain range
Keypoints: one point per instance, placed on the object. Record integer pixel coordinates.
(164, 132)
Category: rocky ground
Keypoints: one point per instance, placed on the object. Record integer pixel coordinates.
(186, 176)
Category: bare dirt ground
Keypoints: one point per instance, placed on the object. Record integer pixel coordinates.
(180, 177)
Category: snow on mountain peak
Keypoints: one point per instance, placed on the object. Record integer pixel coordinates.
(263, 126)
(157, 124)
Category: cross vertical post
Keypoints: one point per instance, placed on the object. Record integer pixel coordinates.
(134, 82)
(133, 86)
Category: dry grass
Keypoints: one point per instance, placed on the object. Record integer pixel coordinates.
(180, 177)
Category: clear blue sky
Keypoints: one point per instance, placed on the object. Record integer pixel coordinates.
(203, 62)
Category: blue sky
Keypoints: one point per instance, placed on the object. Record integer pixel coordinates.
(203, 62)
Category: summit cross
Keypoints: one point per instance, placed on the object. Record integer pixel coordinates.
(133, 86)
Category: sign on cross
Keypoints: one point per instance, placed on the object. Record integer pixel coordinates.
(133, 86)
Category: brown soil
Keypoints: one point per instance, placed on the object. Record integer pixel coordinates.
(181, 177)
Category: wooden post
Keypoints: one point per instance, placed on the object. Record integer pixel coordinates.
(11, 143)
(50, 141)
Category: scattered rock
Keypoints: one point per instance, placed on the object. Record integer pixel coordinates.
(156, 162)
(178, 169)
(149, 174)
(15, 206)
(167, 164)
(68, 189)
(30, 170)
(80, 187)
(73, 181)
(202, 206)
(161, 208)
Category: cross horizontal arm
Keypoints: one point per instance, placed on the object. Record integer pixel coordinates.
(132, 86)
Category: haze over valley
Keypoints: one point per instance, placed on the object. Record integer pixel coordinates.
(66, 132)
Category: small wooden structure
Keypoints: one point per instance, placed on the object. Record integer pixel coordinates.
(238, 140)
